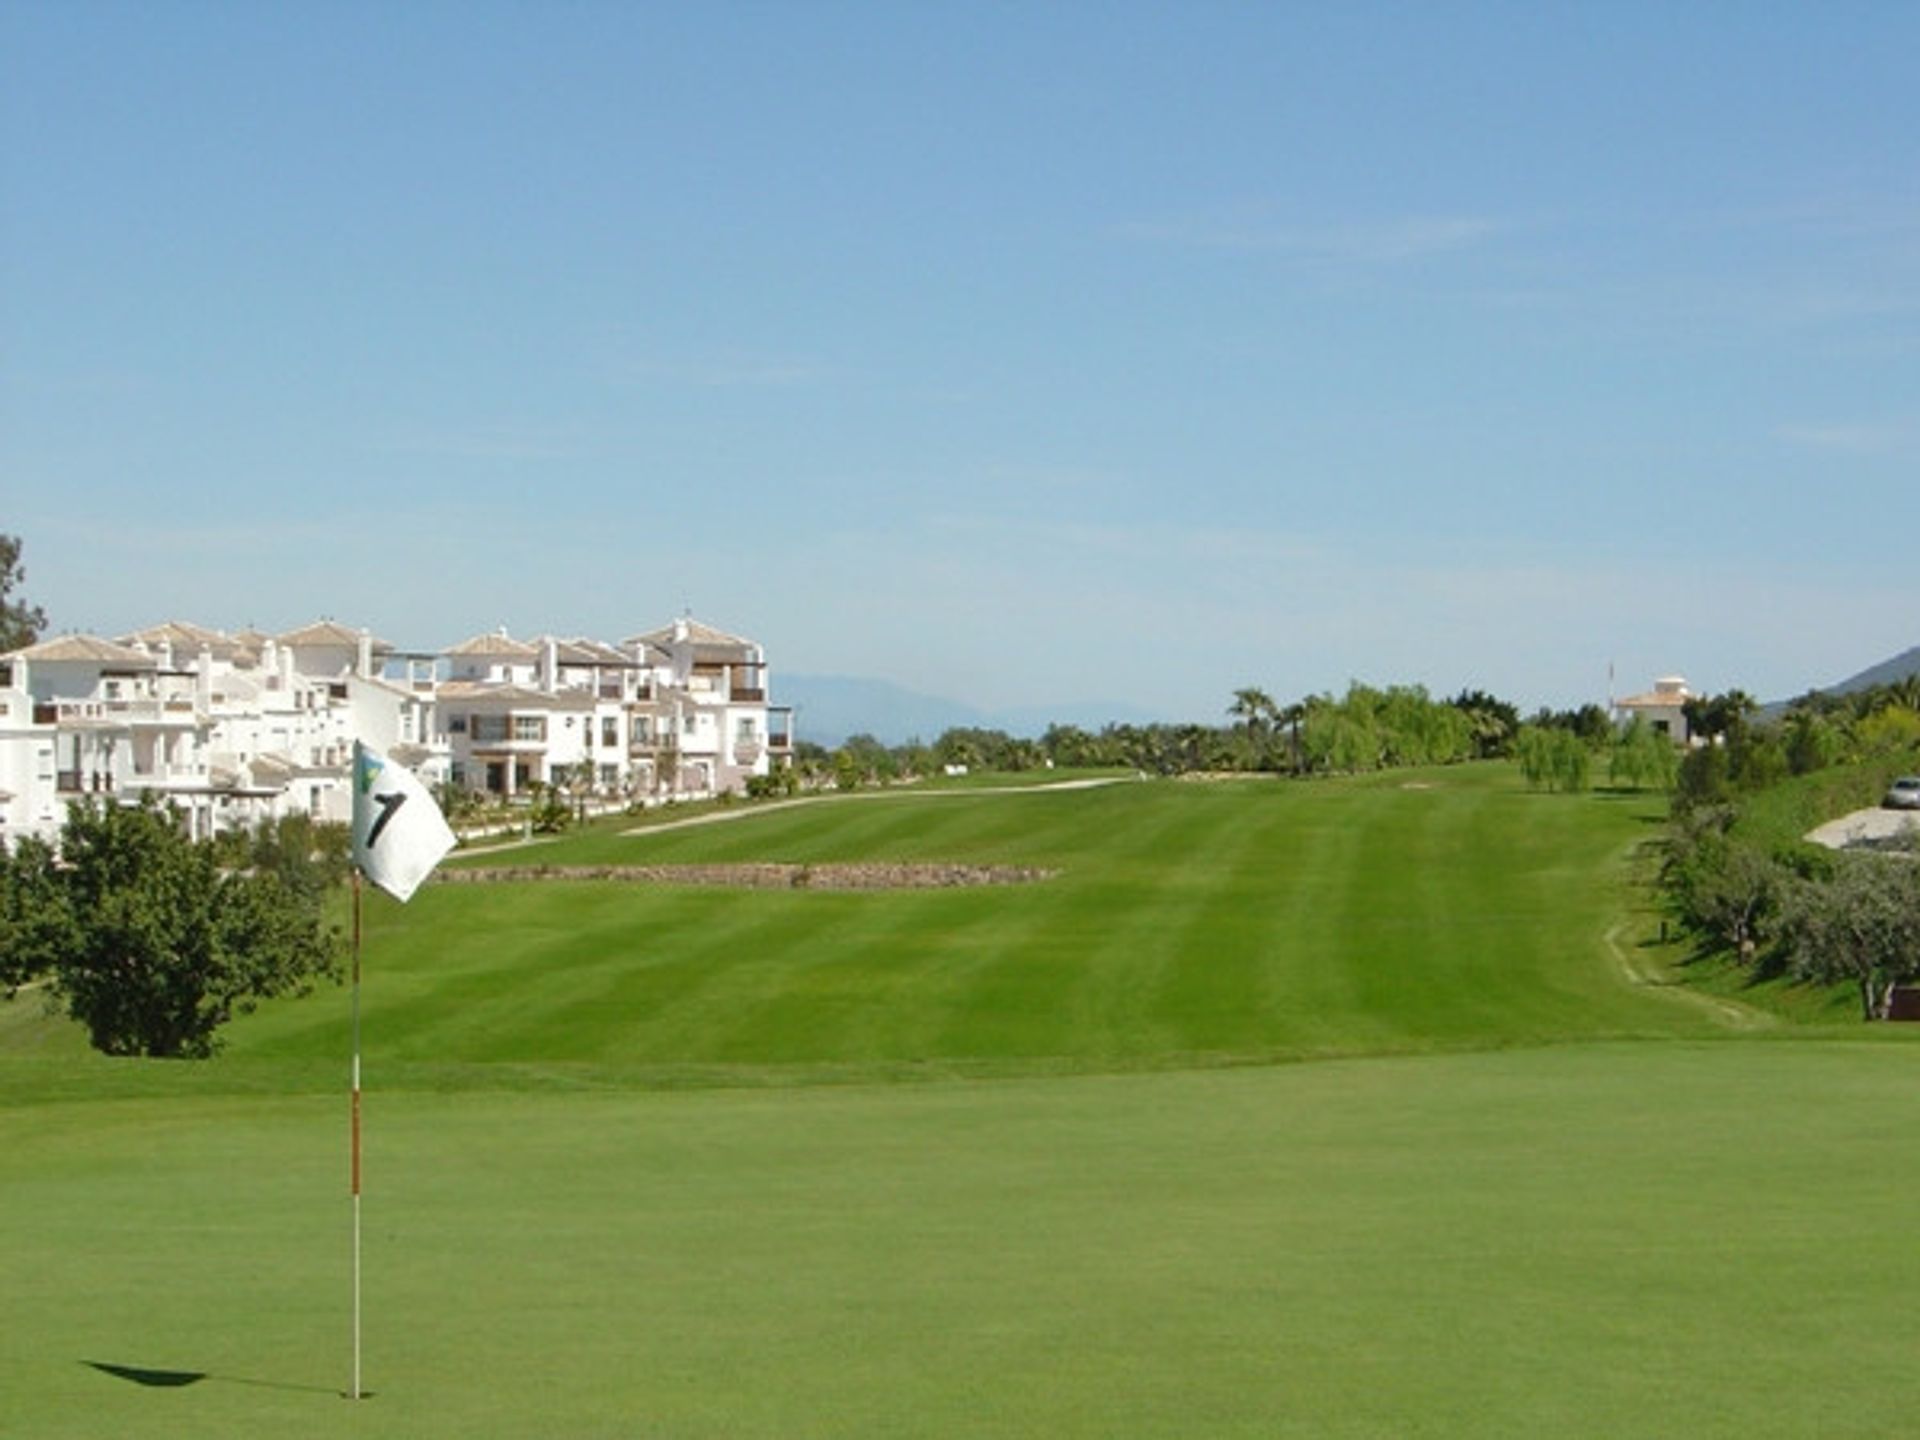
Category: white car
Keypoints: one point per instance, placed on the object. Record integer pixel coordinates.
(1903, 794)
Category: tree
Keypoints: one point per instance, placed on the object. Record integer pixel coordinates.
(1492, 722)
(34, 916)
(1642, 756)
(1720, 717)
(1812, 742)
(147, 940)
(20, 623)
(1862, 924)
(1722, 890)
(1553, 757)
(1258, 716)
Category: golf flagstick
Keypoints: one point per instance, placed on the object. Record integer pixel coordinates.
(399, 835)
(354, 1124)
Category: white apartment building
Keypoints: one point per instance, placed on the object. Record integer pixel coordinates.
(235, 728)
(231, 729)
(677, 712)
(706, 724)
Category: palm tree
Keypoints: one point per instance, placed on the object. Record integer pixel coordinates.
(1257, 713)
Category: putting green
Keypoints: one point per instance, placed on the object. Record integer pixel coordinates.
(1653, 1239)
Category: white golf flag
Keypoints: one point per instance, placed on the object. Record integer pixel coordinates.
(399, 834)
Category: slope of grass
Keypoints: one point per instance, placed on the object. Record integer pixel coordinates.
(1186, 924)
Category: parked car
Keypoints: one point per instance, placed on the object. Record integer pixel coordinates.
(1903, 794)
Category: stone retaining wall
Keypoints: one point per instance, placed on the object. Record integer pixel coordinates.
(767, 876)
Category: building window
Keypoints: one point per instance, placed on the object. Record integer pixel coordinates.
(610, 730)
(529, 727)
(745, 730)
(489, 728)
(457, 724)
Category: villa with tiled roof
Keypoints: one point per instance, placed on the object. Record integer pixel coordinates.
(234, 728)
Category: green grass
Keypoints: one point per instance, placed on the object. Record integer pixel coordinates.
(637, 1164)
(1621, 1239)
(1187, 924)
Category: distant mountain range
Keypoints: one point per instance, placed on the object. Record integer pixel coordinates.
(1906, 663)
(1887, 672)
(829, 708)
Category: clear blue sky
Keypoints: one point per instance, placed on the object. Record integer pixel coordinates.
(1022, 353)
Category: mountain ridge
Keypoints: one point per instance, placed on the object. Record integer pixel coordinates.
(829, 708)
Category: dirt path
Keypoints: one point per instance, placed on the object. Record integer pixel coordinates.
(1642, 975)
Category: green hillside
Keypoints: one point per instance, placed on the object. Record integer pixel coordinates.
(1182, 922)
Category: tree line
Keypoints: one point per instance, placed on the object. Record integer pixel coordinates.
(1367, 728)
(1743, 883)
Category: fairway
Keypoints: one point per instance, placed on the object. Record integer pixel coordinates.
(1186, 923)
(1034, 1160)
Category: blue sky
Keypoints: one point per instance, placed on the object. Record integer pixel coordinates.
(1025, 354)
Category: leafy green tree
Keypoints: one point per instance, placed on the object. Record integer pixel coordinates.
(310, 858)
(1641, 756)
(1706, 778)
(1071, 748)
(847, 774)
(20, 623)
(1492, 723)
(1720, 717)
(1812, 742)
(35, 917)
(148, 941)
(1553, 757)
(1721, 890)
(1890, 729)
(548, 812)
(869, 759)
(1862, 924)
(1588, 721)
(1259, 718)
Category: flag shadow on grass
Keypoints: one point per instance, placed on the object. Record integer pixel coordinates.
(178, 1379)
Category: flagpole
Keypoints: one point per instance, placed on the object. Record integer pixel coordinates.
(354, 1109)
(389, 803)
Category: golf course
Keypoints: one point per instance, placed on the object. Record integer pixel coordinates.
(1356, 1107)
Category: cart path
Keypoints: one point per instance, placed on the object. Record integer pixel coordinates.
(741, 812)
(747, 811)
